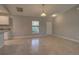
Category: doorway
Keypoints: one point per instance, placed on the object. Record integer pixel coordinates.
(48, 28)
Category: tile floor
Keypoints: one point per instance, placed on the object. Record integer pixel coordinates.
(40, 46)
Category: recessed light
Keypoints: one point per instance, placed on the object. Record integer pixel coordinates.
(54, 15)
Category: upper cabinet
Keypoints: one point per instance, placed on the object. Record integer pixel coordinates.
(4, 16)
(4, 20)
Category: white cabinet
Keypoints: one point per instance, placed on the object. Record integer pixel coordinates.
(4, 20)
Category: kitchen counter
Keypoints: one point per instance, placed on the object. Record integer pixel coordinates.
(4, 30)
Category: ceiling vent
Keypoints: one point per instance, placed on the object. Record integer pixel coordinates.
(19, 9)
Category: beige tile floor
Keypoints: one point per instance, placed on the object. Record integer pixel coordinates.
(40, 46)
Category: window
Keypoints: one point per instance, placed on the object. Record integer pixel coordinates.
(35, 26)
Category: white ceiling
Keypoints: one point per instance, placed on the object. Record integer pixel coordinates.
(36, 9)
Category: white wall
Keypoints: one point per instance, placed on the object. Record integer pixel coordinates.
(67, 24)
(22, 25)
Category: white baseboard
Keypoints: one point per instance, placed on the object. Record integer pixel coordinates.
(29, 36)
(67, 38)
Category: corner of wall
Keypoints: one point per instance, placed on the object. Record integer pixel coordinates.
(64, 37)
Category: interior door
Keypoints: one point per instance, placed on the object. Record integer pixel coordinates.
(49, 28)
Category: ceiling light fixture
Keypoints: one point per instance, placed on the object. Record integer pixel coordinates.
(43, 10)
(54, 15)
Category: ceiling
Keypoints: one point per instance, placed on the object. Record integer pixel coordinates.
(35, 10)
(2, 9)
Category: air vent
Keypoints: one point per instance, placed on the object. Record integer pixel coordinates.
(19, 9)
